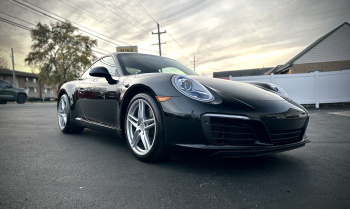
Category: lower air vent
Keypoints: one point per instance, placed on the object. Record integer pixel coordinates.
(226, 131)
(285, 137)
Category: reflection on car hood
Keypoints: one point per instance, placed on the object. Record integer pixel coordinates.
(241, 91)
(252, 96)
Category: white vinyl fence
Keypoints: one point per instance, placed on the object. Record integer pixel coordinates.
(310, 88)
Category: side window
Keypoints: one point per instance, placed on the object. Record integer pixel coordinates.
(86, 74)
(3, 84)
(108, 63)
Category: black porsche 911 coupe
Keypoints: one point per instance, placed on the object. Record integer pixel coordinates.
(163, 108)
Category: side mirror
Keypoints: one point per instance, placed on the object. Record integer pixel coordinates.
(102, 72)
(10, 86)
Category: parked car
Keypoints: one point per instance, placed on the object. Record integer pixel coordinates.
(10, 93)
(163, 108)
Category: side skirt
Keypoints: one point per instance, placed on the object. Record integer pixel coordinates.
(84, 122)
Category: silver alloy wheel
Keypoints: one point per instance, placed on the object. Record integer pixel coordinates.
(62, 112)
(141, 126)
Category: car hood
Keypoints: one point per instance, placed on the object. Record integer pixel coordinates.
(256, 98)
(241, 91)
(18, 89)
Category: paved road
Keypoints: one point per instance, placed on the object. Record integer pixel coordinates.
(40, 167)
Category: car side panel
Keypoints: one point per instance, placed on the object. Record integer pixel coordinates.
(98, 100)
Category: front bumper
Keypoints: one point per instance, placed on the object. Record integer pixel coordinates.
(225, 129)
(237, 151)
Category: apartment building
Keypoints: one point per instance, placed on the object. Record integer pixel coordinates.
(30, 82)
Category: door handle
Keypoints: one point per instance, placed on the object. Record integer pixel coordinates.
(81, 90)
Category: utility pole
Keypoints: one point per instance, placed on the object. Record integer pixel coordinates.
(160, 48)
(194, 63)
(13, 69)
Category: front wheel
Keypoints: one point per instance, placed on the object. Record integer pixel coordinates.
(63, 113)
(144, 129)
(21, 99)
(3, 102)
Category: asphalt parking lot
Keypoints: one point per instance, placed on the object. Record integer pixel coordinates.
(40, 167)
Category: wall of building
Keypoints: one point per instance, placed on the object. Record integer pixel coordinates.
(335, 47)
(34, 87)
(320, 66)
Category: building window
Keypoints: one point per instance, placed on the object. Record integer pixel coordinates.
(346, 69)
(27, 79)
(52, 91)
(45, 90)
(5, 77)
(34, 89)
(34, 80)
(27, 89)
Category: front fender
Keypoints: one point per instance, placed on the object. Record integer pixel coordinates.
(69, 89)
(159, 83)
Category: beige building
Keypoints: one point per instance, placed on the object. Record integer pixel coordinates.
(331, 52)
(30, 82)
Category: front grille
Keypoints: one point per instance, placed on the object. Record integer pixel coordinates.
(227, 131)
(285, 137)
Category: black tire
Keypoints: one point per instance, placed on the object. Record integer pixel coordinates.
(21, 99)
(158, 150)
(67, 128)
(3, 102)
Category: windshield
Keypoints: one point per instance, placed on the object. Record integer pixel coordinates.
(140, 63)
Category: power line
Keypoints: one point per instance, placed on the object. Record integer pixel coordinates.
(14, 24)
(118, 15)
(128, 14)
(175, 50)
(148, 14)
(99, 19)
(175, 40)
(17, 18)
(144, 10)
(29, 29)
(76, 24)
(63, 22)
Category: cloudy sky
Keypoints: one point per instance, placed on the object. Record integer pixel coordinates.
(222, 34)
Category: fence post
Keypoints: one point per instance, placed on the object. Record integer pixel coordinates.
(272, 78)
(317, 103)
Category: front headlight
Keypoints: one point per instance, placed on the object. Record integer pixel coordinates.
(191, 88)
(279, 90)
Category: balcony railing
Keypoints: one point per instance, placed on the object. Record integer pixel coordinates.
(49, 95)
(27, 84)
(33, 94)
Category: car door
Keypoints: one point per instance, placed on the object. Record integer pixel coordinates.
(97, 97)
(6, 91)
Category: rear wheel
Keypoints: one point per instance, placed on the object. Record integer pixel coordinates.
(21, 99)
(3, 102)
(63, 113)
(144, 129)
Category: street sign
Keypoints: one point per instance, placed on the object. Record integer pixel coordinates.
(127, 49)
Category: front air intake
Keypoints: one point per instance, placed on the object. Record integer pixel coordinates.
(227, 131)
